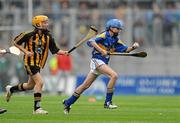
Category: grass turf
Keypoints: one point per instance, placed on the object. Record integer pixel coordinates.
(132, 109)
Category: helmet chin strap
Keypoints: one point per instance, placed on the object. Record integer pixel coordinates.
(40, 27)
(41, 30)
(114, 34)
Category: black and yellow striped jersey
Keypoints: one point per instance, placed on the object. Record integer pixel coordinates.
(39, 45)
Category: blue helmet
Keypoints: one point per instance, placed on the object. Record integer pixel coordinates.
(114, 23)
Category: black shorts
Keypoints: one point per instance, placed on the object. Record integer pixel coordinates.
(32, 70)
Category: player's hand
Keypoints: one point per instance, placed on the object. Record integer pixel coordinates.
(66, 53)
(63, 52)
(29, 54)
(104, 52)
(135, 45)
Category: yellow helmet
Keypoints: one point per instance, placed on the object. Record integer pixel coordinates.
(37, 20)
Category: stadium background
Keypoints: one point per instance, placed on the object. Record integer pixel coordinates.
(153, 23)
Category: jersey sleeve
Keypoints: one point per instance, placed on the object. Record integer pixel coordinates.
(96, 39)
(53, 46)
(89, 41)
(120, 46)
(100, 37)
(22, 37)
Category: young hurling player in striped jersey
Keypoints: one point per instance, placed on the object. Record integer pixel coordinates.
(35, 45)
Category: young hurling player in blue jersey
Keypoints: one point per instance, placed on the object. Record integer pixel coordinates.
(107, 41)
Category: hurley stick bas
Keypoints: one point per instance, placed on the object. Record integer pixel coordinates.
(141, 54)
(12, 50)
(92, 32)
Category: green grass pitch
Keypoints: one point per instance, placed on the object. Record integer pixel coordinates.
(132, 109)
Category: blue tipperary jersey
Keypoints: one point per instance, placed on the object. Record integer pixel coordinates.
(108, 43)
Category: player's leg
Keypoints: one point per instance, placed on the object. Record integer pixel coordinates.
(37, 93)
(2, 111)
(79, 90)
(22, 86)
(19, 87)
(105, 69)
(93, 74)
(87, 83)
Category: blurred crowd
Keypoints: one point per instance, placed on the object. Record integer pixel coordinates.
(152, 22)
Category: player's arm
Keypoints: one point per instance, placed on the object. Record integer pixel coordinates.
(133, 47)
(121, 47)
(97, 47)
(55, 49)
(23, 50)
(94, 43)
(18, 43)
(62, 52)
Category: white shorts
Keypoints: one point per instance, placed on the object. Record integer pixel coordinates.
(94, 64)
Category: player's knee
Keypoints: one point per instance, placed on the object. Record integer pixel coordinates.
(114, 76)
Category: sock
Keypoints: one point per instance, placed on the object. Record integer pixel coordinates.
(18, 87)
(109, 95)
(37, 100)
(72, 99)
